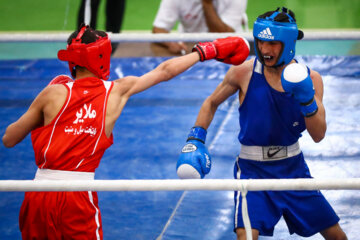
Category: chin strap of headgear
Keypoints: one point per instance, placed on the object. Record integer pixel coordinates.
(93, 56)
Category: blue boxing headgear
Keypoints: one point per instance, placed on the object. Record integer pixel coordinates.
(268, 29)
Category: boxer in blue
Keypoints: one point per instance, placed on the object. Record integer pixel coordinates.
(279, 99)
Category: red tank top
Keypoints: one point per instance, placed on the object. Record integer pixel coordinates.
(75, 140)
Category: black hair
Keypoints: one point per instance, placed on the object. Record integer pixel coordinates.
(283, 17)
(90, 35)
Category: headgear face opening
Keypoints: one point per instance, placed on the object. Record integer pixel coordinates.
(94, 56)
(267, 29)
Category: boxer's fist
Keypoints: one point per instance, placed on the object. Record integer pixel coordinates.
(296, 80)
(61, 79)
(194, 161)
(231, 50)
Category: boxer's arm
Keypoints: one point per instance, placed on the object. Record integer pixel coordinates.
(30, 120)
(34, 116)
(229, 86)
(164, 72)
(195, 160)
(316, 124)
(210, 105)
(233, 50)
(307, 88)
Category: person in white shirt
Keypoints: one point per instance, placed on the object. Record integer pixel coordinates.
(199, 16)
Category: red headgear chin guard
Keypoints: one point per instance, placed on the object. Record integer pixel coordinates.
(94, 56)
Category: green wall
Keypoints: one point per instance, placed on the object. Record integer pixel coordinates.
(60, 15)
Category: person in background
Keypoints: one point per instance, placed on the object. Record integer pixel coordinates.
(71, 123)
(279, 99)
(114, 15)
(198, 16)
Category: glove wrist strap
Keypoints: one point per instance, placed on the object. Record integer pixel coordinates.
(197, 133)
(309, 109)
(206, 50)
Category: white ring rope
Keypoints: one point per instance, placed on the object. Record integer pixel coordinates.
(180, 185)
(160, 37)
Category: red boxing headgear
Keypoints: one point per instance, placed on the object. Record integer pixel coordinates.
(94, 56)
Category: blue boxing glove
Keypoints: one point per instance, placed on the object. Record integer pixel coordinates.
(194, 161)
(296, 80)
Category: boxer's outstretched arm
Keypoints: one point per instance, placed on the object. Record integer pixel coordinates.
(164, 72)
(231, 50)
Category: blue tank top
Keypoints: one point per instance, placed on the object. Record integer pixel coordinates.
(268, 117)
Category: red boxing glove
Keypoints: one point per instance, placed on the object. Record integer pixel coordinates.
(61, 79)
(232, 50)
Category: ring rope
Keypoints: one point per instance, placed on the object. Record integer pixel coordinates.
(160, 37)
(181, 185)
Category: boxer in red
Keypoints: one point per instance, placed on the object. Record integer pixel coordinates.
(71, 124)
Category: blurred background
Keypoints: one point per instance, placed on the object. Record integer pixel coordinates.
(44, 15)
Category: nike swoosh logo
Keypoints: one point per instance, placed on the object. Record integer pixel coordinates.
(271, 154)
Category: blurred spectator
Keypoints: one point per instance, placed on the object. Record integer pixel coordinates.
(199, 16)
(114, 13)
